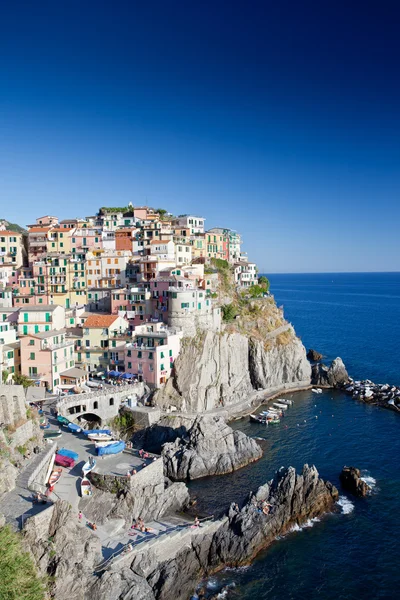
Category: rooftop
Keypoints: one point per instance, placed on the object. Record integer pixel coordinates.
(74, 373)
(100, 321)
(40, 308)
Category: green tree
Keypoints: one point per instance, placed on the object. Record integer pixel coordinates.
(23, 380)
(18, 576)
(4, 376)
(255, 291)
(229, 312)
(264, 283)
(161, 211)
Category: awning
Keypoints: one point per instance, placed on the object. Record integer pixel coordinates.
(74, 373)
(126, 376)
(113, 374)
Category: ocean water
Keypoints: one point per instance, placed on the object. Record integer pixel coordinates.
(354, 553)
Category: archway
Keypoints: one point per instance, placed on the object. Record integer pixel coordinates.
(91, 418)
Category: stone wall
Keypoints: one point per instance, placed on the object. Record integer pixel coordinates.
(12, 404)
(22, 434)
(207, 319)
(145, 416)
(152, 475)
(36, 479)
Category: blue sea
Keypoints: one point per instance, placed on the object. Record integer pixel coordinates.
(354, 553)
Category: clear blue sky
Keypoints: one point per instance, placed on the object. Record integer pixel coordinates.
(278, 119)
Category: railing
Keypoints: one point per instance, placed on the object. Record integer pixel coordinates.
(103, 565)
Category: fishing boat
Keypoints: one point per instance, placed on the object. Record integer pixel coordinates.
(45, 426)
(112, 448)
(95, 431)
(50, 469)
(74, 428)
(104, 444)
(284, 401)
(86, 487)
(99, 437)
(69, 453)
(316, 390)
(88, 466)
(274, 421)
(258, 419)
(53, 434)
(281, 406)
(63, 420)
(54, 477)
(64, 461)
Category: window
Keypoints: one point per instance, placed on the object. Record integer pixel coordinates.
(162, 355)
(32, 356)
(162, 367)
(87, 354)
(111, 401)
(129, 365)
(150, 356)
(48, 318)
(32, 370)
(129, 353)
(95, 404)
(31, 342)
(139, 354)
(26, 317)
(170, 352)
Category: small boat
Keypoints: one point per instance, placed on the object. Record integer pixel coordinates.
(86, 487)
(284, 401)
(99, 437)
(74, 428)
(53, 434)
(258, 419)
(50, 468)
(112, 448)
(95, 431)
(45, 426)
(63, 420)
(88, 466)
(69, 453)
(281, 406)
(64, 461)
(316, 390)
(274, 421)
(54, 477)
(104, 444)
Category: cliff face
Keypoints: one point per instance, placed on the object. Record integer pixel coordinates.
(221, 369)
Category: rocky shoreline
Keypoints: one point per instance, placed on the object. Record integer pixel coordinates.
(384, 395)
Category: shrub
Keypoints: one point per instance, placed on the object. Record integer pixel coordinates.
(264, 283)
(229, 312)
(18, 576)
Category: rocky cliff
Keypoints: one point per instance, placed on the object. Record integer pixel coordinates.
(209, 447)
(221, 369)
(333, 376)
(170, 566)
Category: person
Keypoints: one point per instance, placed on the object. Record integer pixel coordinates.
(94, 526)
(80, 516)
(128, 474)
(196, 522)
(134, 471)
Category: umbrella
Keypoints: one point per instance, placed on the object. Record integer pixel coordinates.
(126, 376)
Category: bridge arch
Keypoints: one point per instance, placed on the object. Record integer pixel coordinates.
(91, 417)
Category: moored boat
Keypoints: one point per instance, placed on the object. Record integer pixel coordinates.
(112, 448)
(96, 431)
(54, 478)
(284, 401)
(258, 419)
(104, 444)
(316, 390)
(63, 420)
(99, 437)
(74, 428)
(86, 487)
(281, 406)
(64, 461)
(88, 466)
(69, 453)
(52, 434)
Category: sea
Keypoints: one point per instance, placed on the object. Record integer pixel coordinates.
(355, 552)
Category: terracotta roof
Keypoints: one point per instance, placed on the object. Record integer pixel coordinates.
(100, 320)
(159, 242)
(11, 233)
(39, 229)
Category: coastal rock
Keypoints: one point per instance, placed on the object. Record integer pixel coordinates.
(210, 447)
(314, 355)
(63, 549)
(222, 369)
(351, 480)
(333, 376)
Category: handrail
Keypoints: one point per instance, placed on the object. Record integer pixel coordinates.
(108, 560)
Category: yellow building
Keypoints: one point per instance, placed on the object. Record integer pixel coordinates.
(59, 240)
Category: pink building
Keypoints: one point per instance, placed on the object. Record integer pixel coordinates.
(84, 240)
(151, 354)
(120, 300)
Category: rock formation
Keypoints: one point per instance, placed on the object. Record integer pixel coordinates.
(221, 369)
(314, 355)
(333, 376)
(351, 480)
(170, 566)
(210, 447)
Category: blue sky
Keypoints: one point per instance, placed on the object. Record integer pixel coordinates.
(281, 121)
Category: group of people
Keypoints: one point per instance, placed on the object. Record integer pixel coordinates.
(139, 524)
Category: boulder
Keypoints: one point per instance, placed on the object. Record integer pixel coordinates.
(351, 481)
(333, 376)
(314, 355)
(210, 447)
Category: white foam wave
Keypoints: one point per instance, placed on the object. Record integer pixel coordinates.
(369, 481)
(346, 505)
(311, 522)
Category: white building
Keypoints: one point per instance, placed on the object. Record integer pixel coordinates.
(195, 224)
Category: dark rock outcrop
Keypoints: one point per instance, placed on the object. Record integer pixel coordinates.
(351, 480)
(314, 355)
(333, 376)
(210, 447)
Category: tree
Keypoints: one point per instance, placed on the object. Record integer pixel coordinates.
(255, 291)
(229, 312)
(23, 380)
(161, 211)
(264, 283)
(4, 376)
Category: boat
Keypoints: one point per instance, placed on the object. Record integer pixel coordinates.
(86, 487)
(50, 469)
(69, 453)
(64, 461)
(95, 431)
(99, 437)
(53, 434)
(74, 428)
(274, 421)
(104, 444)
(316, 390)
(258, 419)
(63, 420)
(281, 406)
(54, 477)
(112, 448)
(284, 401)
(88, 466)
(45, 426)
